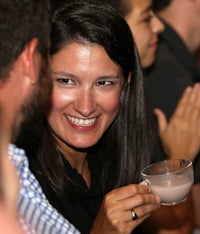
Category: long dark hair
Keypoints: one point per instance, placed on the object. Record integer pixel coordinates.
(127, 146)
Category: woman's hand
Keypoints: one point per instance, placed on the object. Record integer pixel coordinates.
(115, 215)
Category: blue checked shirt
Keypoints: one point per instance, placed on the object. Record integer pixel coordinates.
(36, 214)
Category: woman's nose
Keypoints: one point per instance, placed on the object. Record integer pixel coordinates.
(156, 24)
(85, 103)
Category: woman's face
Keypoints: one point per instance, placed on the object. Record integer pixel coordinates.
(145, 27)
(87, 86)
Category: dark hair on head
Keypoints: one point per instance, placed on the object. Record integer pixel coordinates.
(127, 145)
(82, 22)
(159, 5)
(21, 21)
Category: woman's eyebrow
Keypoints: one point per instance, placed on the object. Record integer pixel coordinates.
(147, 9)
(110, 77)
(62, 73)
(69, 75)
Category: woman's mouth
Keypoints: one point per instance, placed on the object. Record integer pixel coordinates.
(81, 122)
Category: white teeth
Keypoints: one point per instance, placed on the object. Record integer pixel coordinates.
(81, 122)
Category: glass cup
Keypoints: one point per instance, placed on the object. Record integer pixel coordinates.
(170, 179)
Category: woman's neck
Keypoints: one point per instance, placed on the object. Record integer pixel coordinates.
(77, 160)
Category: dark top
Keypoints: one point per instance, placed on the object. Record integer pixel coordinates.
(81, 208)
(84, 204)
(175, 68)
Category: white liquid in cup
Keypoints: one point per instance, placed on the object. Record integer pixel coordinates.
(171, 180)
(174, 194)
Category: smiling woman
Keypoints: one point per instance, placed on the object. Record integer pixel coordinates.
(81, 112)
(97, 134)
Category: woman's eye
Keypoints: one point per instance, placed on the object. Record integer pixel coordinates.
(147, 19)
(104, 82)
(64, 81)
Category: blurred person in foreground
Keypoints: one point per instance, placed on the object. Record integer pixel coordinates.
(25, 87)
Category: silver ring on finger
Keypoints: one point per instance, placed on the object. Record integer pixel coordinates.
(134, 216)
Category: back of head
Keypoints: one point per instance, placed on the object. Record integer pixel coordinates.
(21, 21)
(159, 5)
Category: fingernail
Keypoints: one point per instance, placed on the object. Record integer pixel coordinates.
(158, 200)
